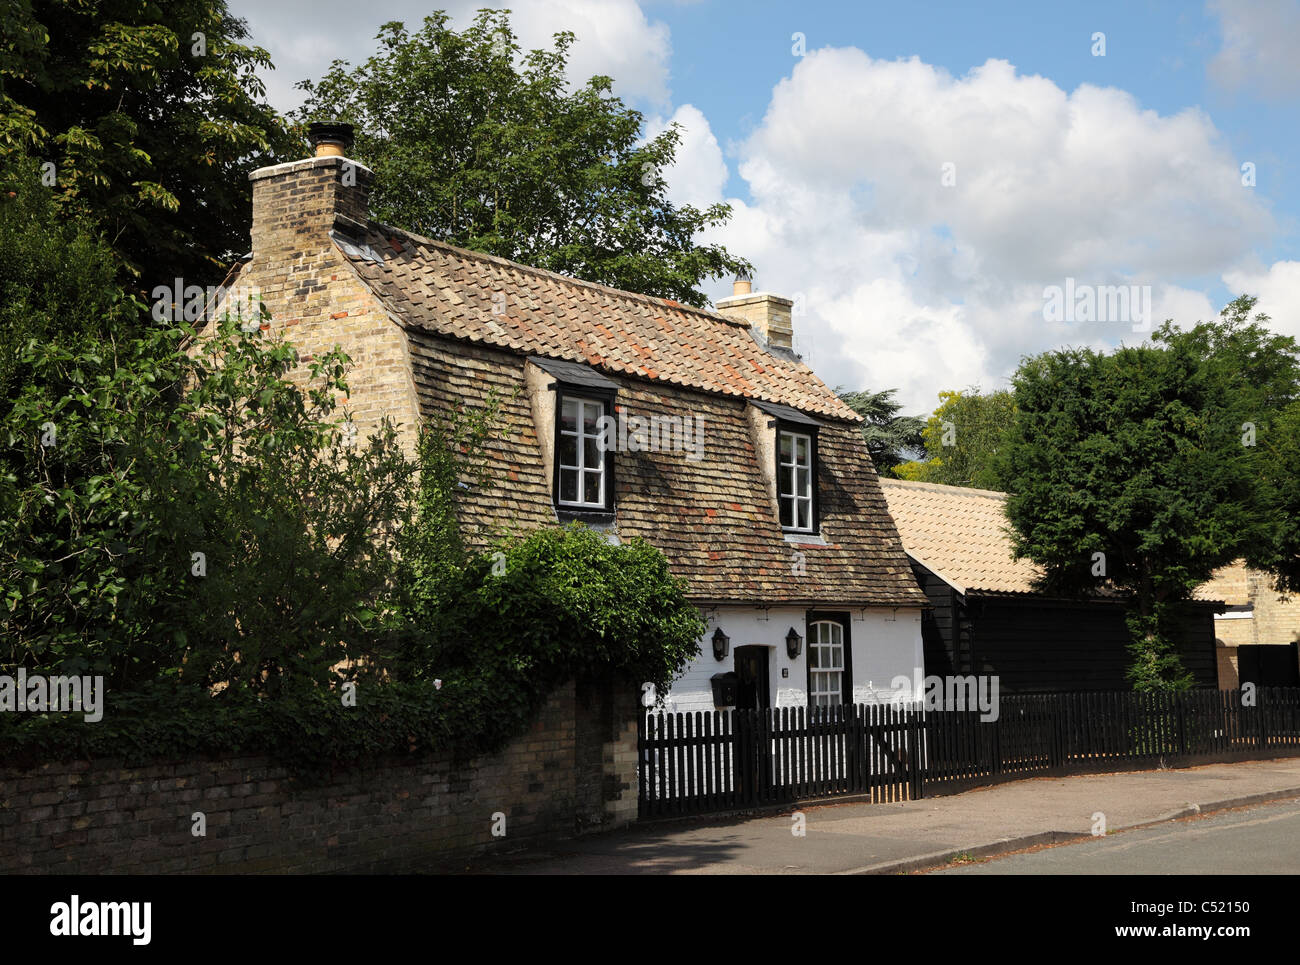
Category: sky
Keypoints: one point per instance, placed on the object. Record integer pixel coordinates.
(942, 188)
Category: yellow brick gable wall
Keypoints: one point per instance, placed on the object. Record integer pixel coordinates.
(338, 310)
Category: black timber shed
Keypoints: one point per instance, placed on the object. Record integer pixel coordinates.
(986, 617)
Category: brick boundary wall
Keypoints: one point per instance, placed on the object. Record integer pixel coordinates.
(569, 773)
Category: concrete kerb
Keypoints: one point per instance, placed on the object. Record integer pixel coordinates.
(754, 811)
(940, 859)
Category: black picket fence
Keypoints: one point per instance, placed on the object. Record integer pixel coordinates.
(693, 763)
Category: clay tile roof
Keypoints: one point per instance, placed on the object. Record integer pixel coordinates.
(959, 535)
(708, 513)
(430, 285)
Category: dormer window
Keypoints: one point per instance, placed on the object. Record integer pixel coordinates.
(795, 479)
(580, 463)
(574, 405)
(788, 438)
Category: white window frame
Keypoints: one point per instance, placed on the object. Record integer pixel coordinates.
(820, 696)
(790, 472)
(582, 469)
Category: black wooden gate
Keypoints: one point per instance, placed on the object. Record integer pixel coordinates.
(733, 759)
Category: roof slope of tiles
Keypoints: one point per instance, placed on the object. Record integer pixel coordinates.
(711, 517)
(469, 295)
(959, 535)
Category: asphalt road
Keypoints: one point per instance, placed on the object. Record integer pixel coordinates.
(1260, 840)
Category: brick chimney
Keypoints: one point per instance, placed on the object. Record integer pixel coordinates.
(295, 204)
(768, 315)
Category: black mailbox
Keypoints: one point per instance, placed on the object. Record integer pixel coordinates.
(724, 689)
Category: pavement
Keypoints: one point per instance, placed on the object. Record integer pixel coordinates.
(851, 838)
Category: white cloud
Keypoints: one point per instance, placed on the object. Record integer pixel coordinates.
(1278, 290)
(1186, 306)
(913, 284)
(614, 38)
(698, 174)
(1258, 52)
(907, 282)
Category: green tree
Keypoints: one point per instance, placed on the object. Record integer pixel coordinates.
(151, 115)
(165, 510)
(121, 457)
(1262, 372)
(963, 439)
(1262, 367)
(891, 438)
(475, 143)
(181, 514)
(1281, 474)
(57, 276)
(1129, 470)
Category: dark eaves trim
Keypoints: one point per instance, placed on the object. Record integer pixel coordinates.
(574, 373)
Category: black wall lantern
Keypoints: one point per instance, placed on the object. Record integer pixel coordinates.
(793, 643)
(721, 644)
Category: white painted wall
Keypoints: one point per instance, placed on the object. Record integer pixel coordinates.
(886, 644)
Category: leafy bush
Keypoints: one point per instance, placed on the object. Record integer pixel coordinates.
(562, 603)
(164, 512)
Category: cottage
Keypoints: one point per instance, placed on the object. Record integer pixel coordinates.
(700, 431)
(987, 617)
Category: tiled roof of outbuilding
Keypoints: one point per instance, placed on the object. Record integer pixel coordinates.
(959, 535)
(962, 536)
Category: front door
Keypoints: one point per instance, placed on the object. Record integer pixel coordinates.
(751, 679)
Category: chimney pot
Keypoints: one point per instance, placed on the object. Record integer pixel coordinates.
(743, 285)
(329, 139)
